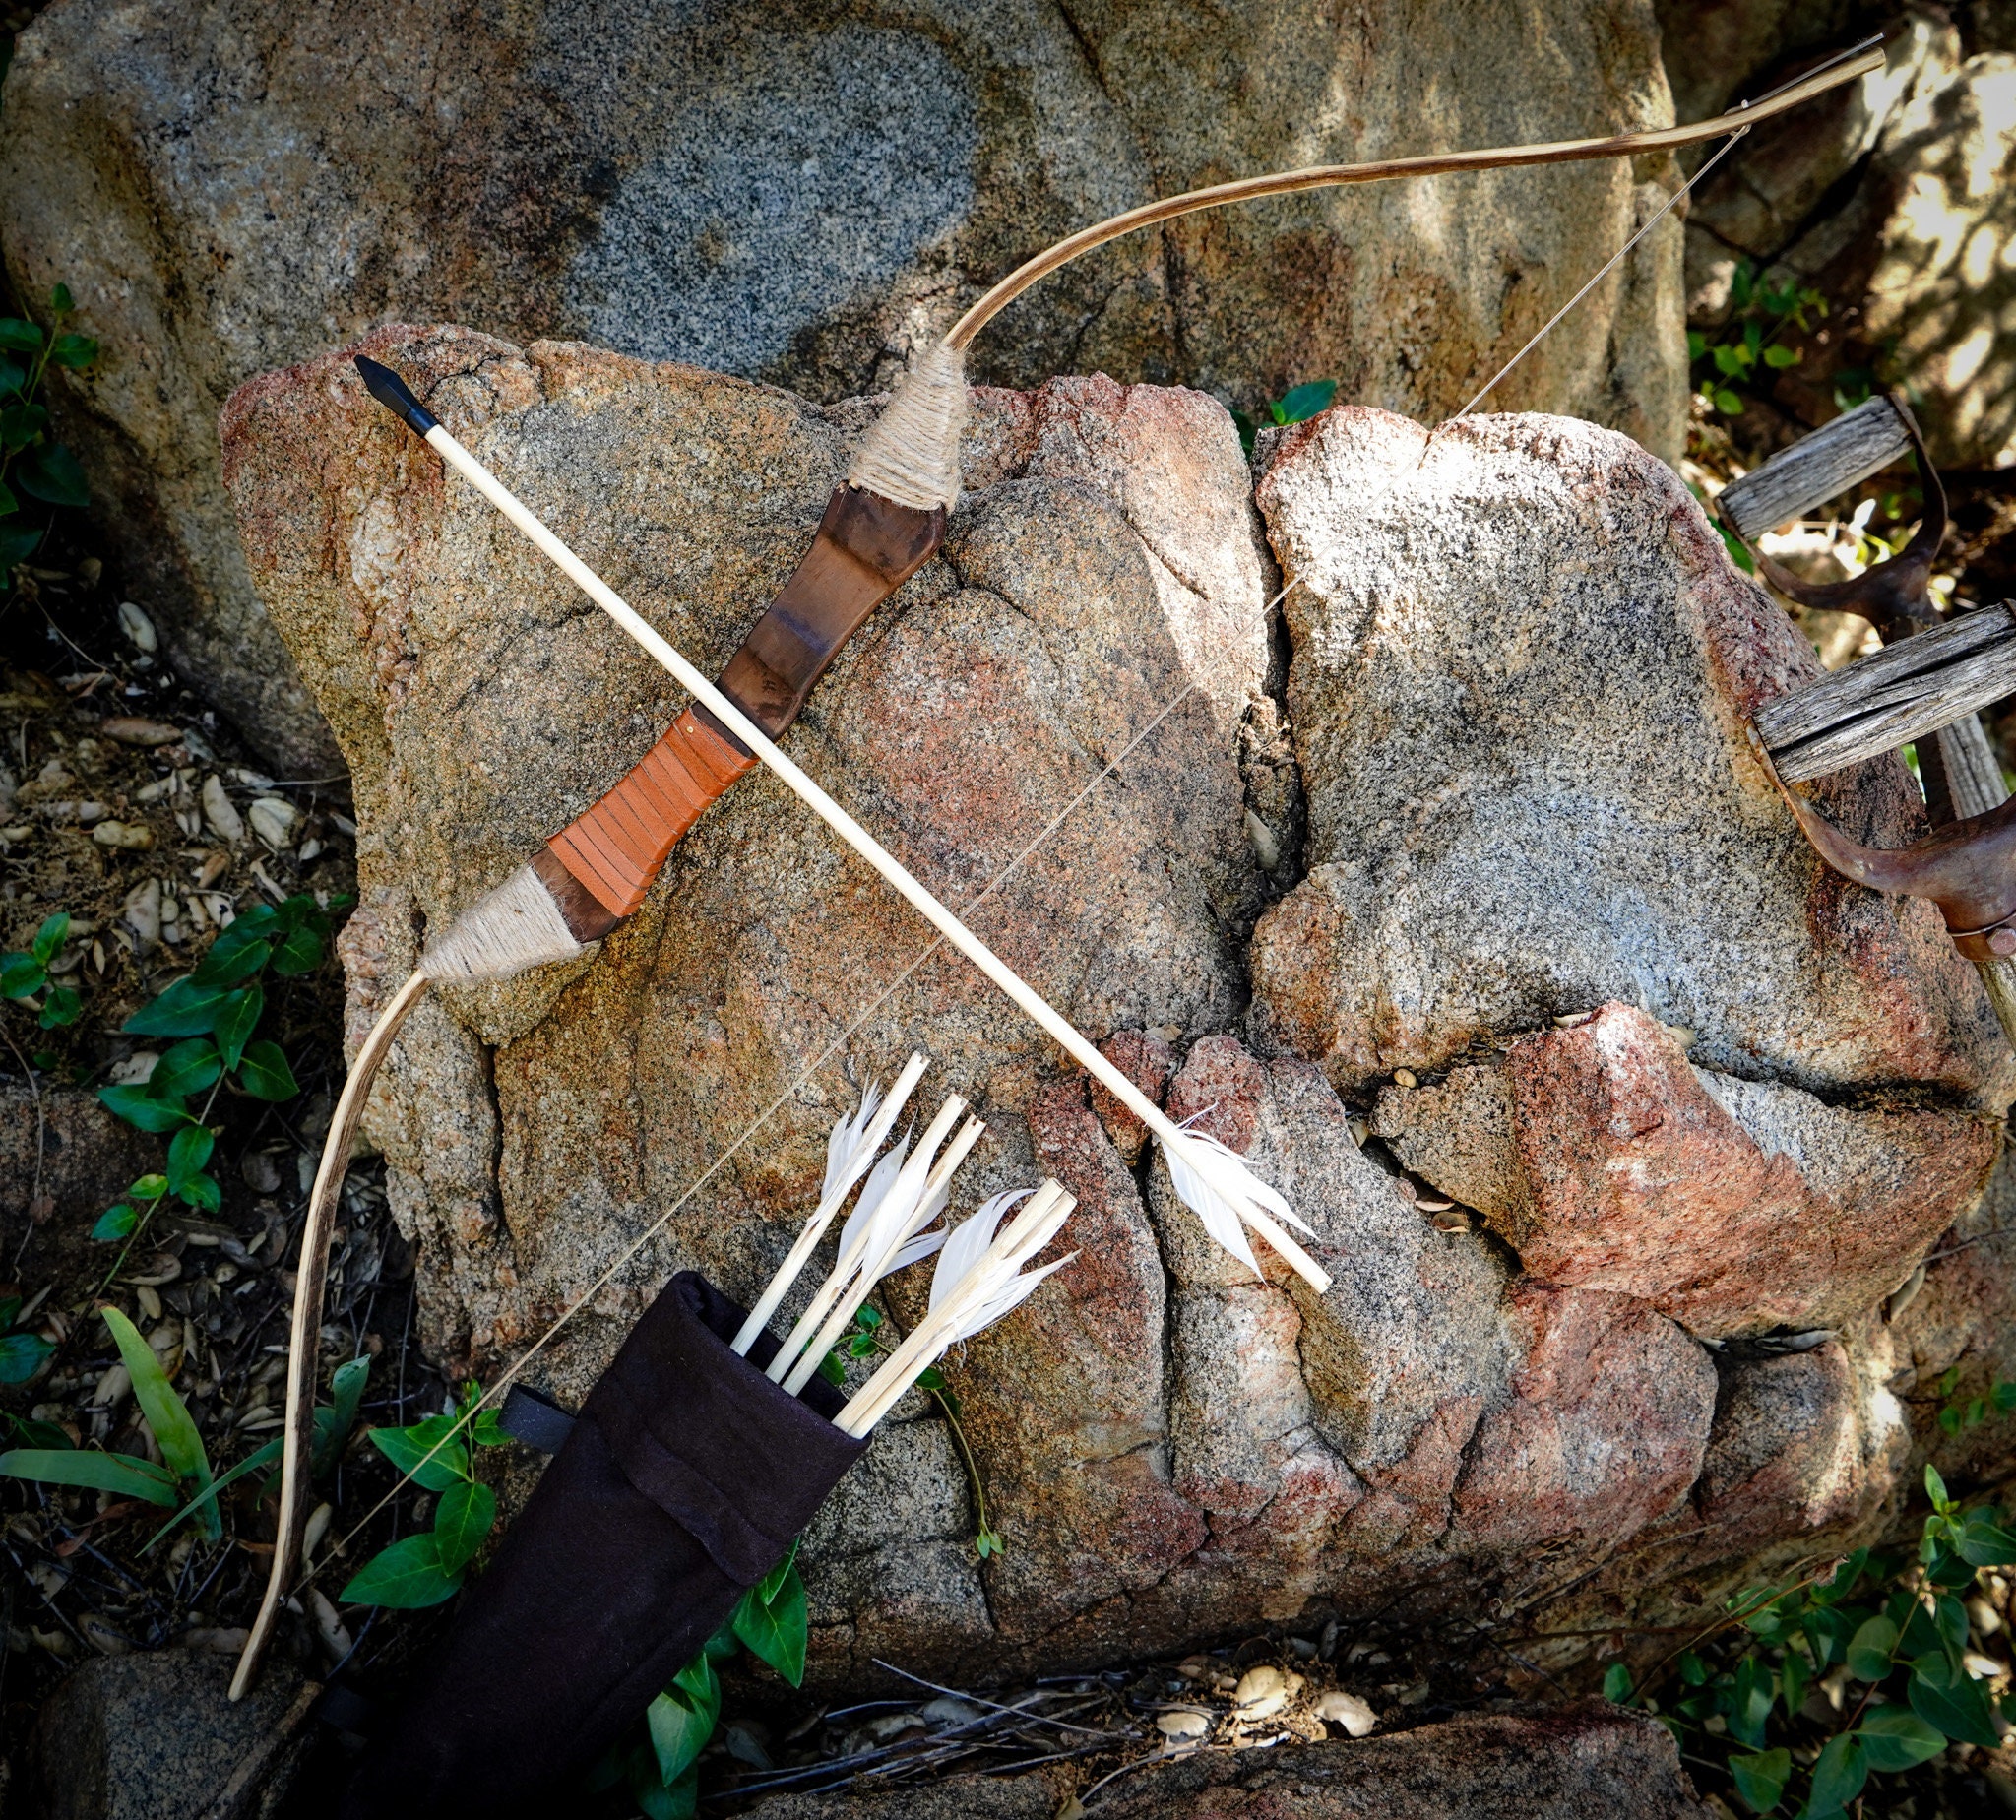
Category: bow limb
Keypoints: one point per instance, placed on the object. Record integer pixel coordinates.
(1429, 165)
(304, 1348)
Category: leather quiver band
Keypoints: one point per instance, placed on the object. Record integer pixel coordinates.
(616, 848)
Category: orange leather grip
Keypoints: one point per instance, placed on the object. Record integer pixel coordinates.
(616, 848)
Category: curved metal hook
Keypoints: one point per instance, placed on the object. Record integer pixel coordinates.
(1968, 868)
(1892, 593)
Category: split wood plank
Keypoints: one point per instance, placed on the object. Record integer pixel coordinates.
(1834, 458)
(1901, 693)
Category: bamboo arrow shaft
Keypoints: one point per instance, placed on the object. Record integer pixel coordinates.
(1026, 998)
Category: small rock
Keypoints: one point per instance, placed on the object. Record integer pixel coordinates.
(329, 1628)
(892, 1724)
(1261, 1692)
(142, 914)
(261, 1174)
(1348, 1710)
(132, 731)
(1984, 1618)
(1182, 1725)
(1405, 1077)
(1196, 1667)
(273, 821)
(949, 1710)
(135, 1736)
(102, 1637)
(1302, 1647)
(1983, 1667)
(220, 812)
(112, 1388)
(131, 837)
(139, 629)
(136, 1069)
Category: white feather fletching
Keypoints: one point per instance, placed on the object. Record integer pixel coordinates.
(1194, 1188)
(845, 1145)
(970, 1240)
(1016, 1291)
(888, 1167)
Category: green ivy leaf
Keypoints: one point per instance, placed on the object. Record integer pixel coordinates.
(137, 1107)
(1697, 345)
(405, 1577)
(148, 1187)
(1895, 1738)
(1750, 1704)
(462, 1521)
(61, 1007)
(188, 1068)
(22, 1357)
(201, 1191)
(345, 1398)
(1869, 1650)
(21, 974)
(1952, 1701)
(406, 1448)
(262, 1072)
(188, 1008)
(61, 302)
(45, 1437)
(1729, 404)
(1304, 401)
(1983, 1541)
(300, 951)
(1781, 356)
(775, 1629)
(115, 1222)
(1617, 1683)
(17, 543)
(23, 337)
(13, 376)
(50, 937)
(1760, 1779)
(681, 1718)
(678, 1800)
(228, 963)
(119, 1473)
(21, 423)
(237, 1019)
(772, 1583)
(188, 1151)
(860, 1345)
(1838, 1777)
(1935, 1489)
(75, 351)
(51, 474)
(832, 1370)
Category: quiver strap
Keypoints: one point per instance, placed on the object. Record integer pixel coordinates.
(681, 1484)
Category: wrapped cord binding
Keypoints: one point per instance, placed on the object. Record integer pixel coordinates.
(911, 453)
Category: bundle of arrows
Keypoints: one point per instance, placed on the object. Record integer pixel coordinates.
(698, 1457)
(742, 1399)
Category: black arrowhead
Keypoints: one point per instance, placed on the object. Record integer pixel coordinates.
(390, 390)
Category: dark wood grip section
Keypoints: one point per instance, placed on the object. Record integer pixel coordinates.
(599, 867)
(615, 850)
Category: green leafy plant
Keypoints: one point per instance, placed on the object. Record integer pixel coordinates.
(184, 1466)
(1298, 404)
(216, 1010)
(29, 463)
(425, 1568)
(1888, 1639)
(867, 1336)
(662, 1768)
(333, 1423)
(21, 1354)
(23, 976)
(1958, 1413)
(1762, 316)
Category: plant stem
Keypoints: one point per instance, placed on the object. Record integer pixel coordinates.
(973, 1470)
